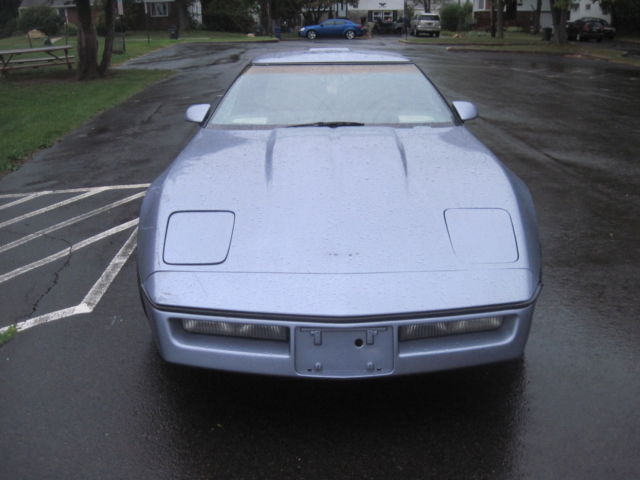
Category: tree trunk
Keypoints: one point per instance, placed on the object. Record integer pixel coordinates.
(265, 17)
(536, 17)
(109, 25)
(493, 19)
(560, 15)
(511, 10)
(184, 18)
(87, 43)
(500, 19)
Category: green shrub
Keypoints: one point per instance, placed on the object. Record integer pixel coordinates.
(228, 22)
(449, 15)
(230, 17)
(7, 28)
(44, 18)
(456, 17)
(465, 17)
(70, 30)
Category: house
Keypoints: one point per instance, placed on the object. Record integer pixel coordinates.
(587, 8)
(66, 8)
(372, 10)
(160, 14)
(525, 17)
(386, 10)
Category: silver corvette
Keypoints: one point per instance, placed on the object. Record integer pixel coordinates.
(333, 218)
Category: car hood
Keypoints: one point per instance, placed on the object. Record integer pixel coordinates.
(349, 200)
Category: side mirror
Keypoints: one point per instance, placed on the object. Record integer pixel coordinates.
(197, 113)
(466, 110)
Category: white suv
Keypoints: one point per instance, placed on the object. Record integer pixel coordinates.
(428, 23)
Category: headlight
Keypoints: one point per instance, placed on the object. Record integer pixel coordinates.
(234, 329)
(198, 237)
(302, 29)
(482, 235)
(453, 327)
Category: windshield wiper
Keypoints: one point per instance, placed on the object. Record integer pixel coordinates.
(328, 124)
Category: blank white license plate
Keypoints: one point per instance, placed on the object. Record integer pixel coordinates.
(339, 352)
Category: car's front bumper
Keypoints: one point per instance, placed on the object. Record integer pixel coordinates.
(298, 357)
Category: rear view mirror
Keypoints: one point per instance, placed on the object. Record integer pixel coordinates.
(466, 110)
(197, 113)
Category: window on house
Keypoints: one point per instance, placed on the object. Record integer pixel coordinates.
(480, 5)
(588, 6)
(159, 9)
(383, 15)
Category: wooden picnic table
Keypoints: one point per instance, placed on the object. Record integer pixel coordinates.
(17, 58)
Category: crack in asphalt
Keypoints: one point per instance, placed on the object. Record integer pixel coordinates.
(56, 274)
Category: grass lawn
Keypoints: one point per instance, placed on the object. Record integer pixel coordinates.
(478, 37)
(137, 43)
(37, 106)
(7, 334)
(518, 42)
(40, 106)
(572, 50)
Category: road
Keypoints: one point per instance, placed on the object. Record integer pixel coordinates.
(84, 395)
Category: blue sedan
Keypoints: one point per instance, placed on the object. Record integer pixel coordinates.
(336, 27)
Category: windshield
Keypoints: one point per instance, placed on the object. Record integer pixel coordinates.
(429, 17)
(289, 95)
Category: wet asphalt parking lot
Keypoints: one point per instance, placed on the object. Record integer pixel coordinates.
(84, 395)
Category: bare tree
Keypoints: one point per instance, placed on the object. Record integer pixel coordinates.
(536, 17)
(87, 43)
(109, 25)
(88, 67)
(500, 18)
(265, 17)
(560, 15)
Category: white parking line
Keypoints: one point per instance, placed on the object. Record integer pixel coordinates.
(94, 295)
(48, 208)
(19, 201)
(76, 190)
(63, 253)
(68, 222)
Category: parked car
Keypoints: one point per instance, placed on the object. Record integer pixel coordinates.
(336, 27)
(585, 30)
(428, 23)
(309, 231)
(608, 31)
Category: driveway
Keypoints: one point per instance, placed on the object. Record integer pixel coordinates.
(84, 395)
